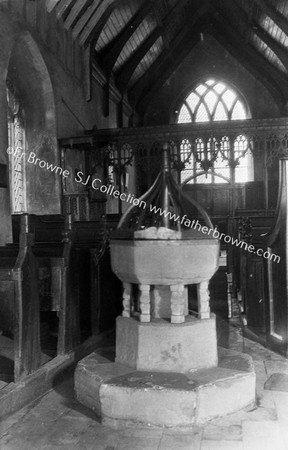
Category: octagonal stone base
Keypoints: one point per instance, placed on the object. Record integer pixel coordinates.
(122, 396)
(165, 347)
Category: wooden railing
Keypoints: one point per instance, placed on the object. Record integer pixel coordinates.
(270, 130)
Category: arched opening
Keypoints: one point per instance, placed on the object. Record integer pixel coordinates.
(32, 128)
(211, 101)
(214, 159)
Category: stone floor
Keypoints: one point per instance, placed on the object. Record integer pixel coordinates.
(58, 421)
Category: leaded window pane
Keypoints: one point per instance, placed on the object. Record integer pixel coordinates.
(213, 100)
(184, 115)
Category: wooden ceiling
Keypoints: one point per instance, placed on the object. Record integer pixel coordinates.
(139, 43)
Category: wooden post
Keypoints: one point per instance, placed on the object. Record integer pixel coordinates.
(27, 309)
(266, 190)
(69, 333)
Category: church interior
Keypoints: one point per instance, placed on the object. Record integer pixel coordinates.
(144, 224)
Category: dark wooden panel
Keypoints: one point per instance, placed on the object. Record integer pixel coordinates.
(106, 293)
(273, 191)
(44, 228)
(49, 281)
(277, 306)
(255, 294)
(248, 274)
(220, 201)
(3, 176)
(217, 199)
(7, 307)
(254, 195)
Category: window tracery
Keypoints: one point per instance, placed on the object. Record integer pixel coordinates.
(216, 159)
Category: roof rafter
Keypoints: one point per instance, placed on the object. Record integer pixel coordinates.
(179, 54)
(84, 19)
(169, 56)
(225, 22)
(279, 51)
(252, 60)
(125, 72)
(63, 8)
(273, 14)
(76, 12)
(249, 23)
(50, 5)
(256, 64)
(97, 21)
(123, 75)
(112, 51)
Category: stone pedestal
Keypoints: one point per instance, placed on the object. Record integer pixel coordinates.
(164, 346)
(166, 372)
(124, 397)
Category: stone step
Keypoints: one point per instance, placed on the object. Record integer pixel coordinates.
(121, 395)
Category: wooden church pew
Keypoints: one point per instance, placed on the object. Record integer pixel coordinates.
(70, 255)
(20, 301)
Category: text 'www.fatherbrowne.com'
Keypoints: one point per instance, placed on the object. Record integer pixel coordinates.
(195, 225)
(110, 190)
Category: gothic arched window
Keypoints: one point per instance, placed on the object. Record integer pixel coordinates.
(215, 160)
(210, 101)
